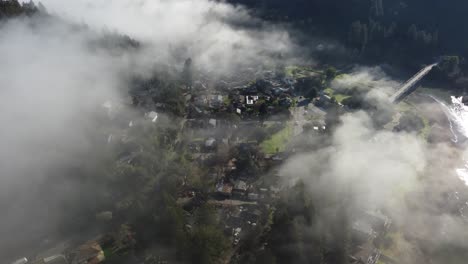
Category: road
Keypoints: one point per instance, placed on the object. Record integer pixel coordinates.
(298, 120)
(409, 86)
(231, 202)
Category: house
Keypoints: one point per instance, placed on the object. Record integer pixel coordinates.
(253, 196)
(240, 187)
(21, 261)
(224, 189)
(289, 81)
(365, 254)
(212, 122)
(55, 259)
(231, 165)
(238, 99)
(127, 158)
(194, 147)
(236, 235)
(89, 253)
(199, 86)
(195, 111)
(285, 102)
(201, 101)
(279, 90)
(263, 193)
(274, 192)
(279, 157)
(215, 101)
(323, 100)
(251, 99)
(210, 144)
(153, 116)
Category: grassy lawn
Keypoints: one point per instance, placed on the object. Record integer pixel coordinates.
(404, 107)
(394, 248)
(338, 97)
(300, 71)
(427, 128)
(278, 141)
(398, 247)
(289, 70)
(329, 91)
(341, 76)
(226, 101)
(110, 256)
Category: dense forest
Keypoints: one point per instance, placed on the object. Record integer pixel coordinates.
(378, 29)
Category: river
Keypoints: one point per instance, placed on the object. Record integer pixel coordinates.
(457, 115)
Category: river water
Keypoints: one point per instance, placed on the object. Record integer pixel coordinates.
(457, 115)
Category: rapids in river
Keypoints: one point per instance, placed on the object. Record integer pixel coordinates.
(457, 115)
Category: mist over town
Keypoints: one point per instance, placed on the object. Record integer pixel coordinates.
(259, 131)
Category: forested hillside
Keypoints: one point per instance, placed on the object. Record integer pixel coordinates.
(379, 29)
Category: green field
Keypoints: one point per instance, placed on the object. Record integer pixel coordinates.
(300, 71)
(278, 141)
(338, 97)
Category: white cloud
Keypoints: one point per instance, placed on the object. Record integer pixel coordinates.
(207, 31)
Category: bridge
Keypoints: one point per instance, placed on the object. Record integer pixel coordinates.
(410, 86)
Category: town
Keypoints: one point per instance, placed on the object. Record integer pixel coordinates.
(237, 132)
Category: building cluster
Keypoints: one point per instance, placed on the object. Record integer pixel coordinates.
(225, 124)
(223, 133)
(88, 253)
(367, 230)
(265, 97)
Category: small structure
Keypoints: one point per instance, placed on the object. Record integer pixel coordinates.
(213, 122)
(21, 261)
(215, 101)
(153, 116)
(253, 196)
(285, 102)
(240, 188)
(89, 253)
(224, 189)
(56, 259)
(366, 254)
(251, 99)
(231, 165)
(210, 144)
